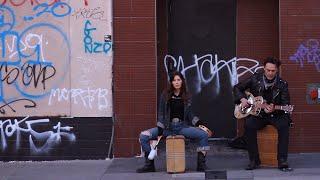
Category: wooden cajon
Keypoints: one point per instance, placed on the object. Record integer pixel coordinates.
(268, 146)
(175, 152)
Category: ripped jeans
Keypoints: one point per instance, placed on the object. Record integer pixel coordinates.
(176, 128)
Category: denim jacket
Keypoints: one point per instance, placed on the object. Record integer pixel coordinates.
(164, 113)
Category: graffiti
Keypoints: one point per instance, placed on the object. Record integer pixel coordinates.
(87, 97)
(59, 9)
(207, 69)
(7, 19)
(89, 45)
(35, 56)
(88, 66)
(33, 2)
(89, 13)
(22, 2)
(8, 104)
(309, 52)
(50, 138)
(34, 73)
(31, 41)
(23, 64)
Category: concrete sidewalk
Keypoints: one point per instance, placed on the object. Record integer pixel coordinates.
(221, 166)
(225, 166)
(223, 162)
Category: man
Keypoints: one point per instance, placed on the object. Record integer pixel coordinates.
(275, 91)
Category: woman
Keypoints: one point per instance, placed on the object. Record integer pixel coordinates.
(174, 115)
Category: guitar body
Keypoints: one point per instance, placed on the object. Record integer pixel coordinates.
(253, 109)
(256, 104)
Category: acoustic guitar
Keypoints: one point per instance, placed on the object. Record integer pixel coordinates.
(256, 104)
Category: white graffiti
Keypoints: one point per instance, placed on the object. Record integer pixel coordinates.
(206, 63)
(51, 138)
(88, 97)
(31, 41)
(87, 67)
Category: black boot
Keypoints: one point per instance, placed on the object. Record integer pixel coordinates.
(254, 164)
(283, 165)
(148, 166)
(254, 161)
(201, 163)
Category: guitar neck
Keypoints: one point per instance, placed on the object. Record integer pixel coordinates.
(277, 107)
(286, 108)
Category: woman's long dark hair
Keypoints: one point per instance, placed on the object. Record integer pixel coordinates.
(183, 91)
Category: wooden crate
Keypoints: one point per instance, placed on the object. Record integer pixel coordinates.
(268, 146)
(175, 152)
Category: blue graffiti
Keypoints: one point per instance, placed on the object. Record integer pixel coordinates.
(22, 64)
(59, 9)
(7, 18)
(94, 47)
(45, 62)
(310, 52)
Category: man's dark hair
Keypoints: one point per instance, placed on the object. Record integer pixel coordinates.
(272, 60)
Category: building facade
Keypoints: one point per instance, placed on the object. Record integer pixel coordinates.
(81, 79)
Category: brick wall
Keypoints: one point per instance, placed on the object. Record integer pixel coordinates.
(257, 32)
(258, 35)
(300, 27)
(135, 72)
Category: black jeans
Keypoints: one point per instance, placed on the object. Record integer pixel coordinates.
(254, 123)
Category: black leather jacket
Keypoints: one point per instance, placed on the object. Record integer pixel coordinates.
(255, 85)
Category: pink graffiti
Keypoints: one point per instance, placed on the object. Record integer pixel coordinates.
(32, 2)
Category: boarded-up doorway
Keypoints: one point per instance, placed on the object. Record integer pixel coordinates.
(201, 36)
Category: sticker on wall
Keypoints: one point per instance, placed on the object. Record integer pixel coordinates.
(313, 93)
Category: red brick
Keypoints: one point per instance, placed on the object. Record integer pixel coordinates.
(122, 8)
(134, 54)
(143, 8)
(134, 29)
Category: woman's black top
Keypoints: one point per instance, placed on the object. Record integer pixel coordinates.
(176, 107)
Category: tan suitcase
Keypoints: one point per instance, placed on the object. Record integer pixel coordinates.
(175, 152)
(268, 146)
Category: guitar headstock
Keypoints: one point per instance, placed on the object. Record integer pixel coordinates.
(287, 108)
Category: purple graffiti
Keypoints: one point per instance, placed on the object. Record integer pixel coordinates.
(309, 52)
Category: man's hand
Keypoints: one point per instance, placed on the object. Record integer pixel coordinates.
(269, 108)
(244, 103)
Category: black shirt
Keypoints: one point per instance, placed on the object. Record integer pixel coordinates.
(267, 95)
(176, 107)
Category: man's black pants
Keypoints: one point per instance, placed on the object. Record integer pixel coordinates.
(255, 123)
